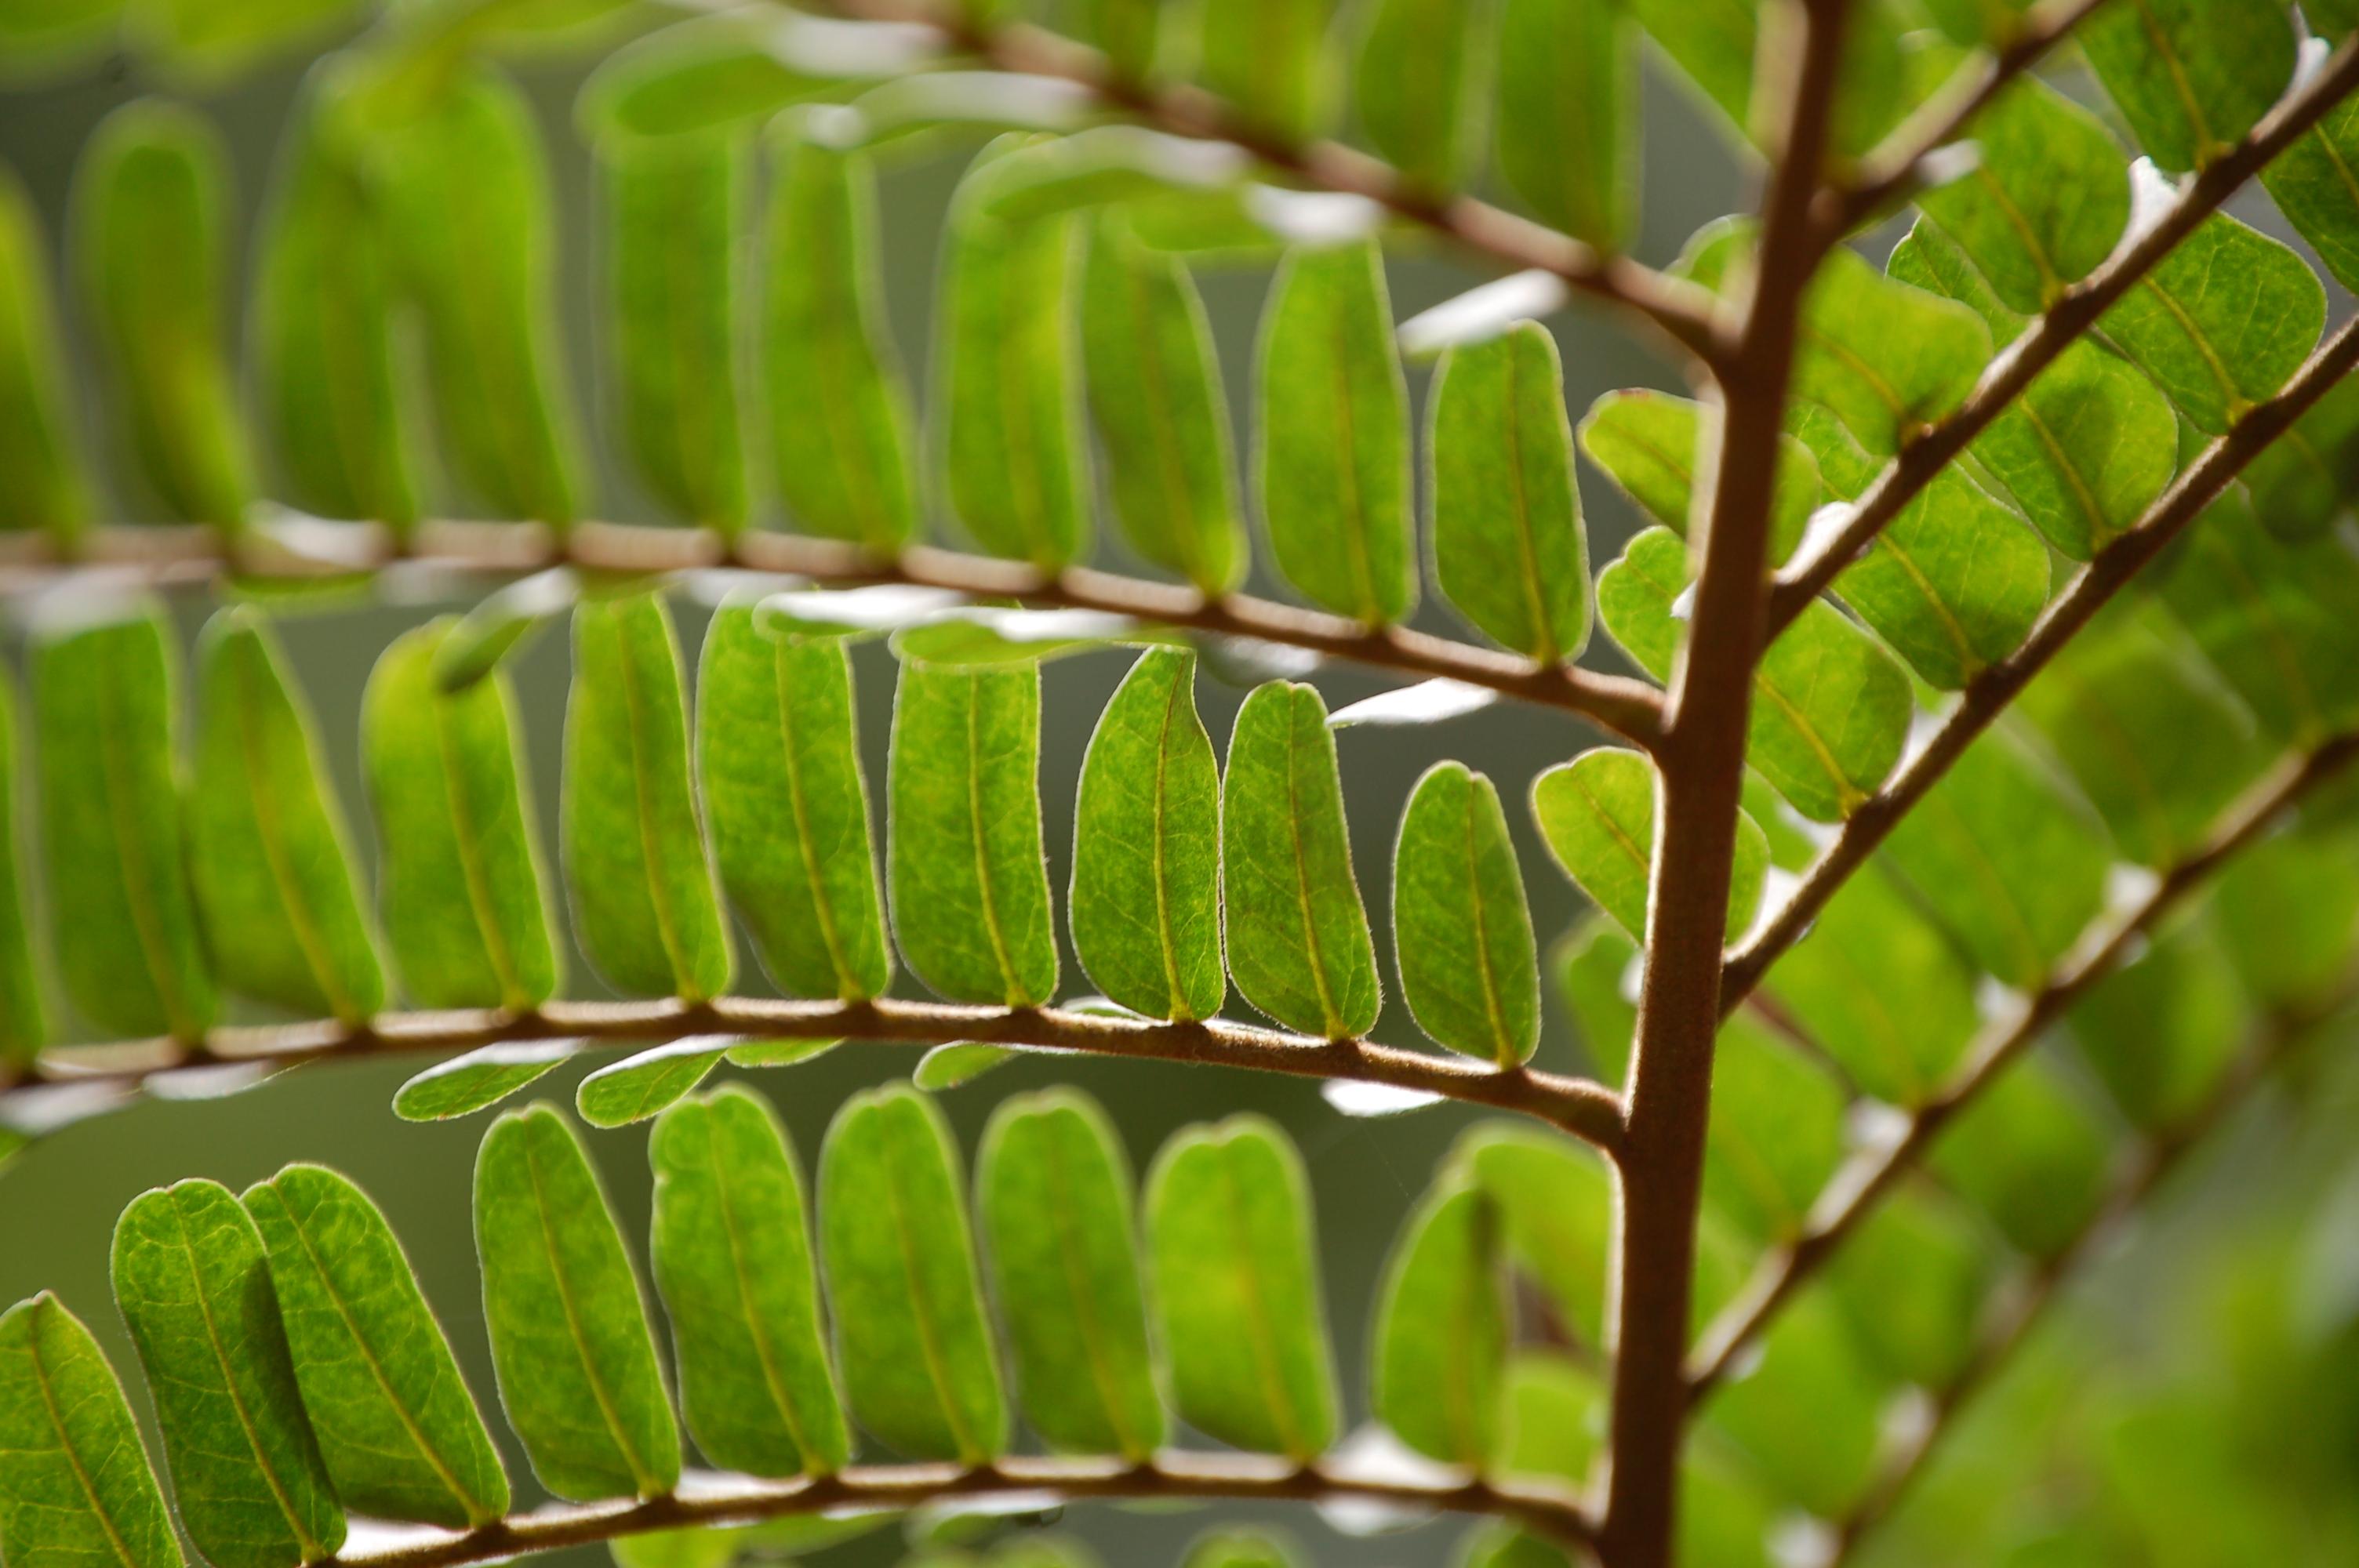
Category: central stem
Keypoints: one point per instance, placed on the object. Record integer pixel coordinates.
(1702, 764)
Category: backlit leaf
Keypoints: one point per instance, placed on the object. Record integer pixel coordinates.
(1555, 1204)
(1470, 971)
(1646, 442)
(1568, 113)
(569, 1331)
(1236, 1291)
(1146, 895)
(2223, 322)
(640, 1086)
(1296, 933)
(970, 888)
(911, 1339)
(732, 1253)
(2312, 183)
(206, 39)
(1441, 1328)
(1597, 814)
(2190, 76)
(74, 1482)
(479, 1079)
(2046, 200)
(1266, 57)
(42, 484)
(1415, 87)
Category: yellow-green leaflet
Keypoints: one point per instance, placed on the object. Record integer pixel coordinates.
(323, 328)
(1156, 398)
(645, 909)
(672, 207)
(1332, 459)
(1442, 1326)
(640, 1086)
(2191, 77)
(396, 1428)
(1054, 1193)
(570, 1337)
(1296, 933)
(1237, 1289)
(460, 877)
(778, 760)
(1568, 113)
(123, 927)
(912, 1343)
(732, 1253)
(1469, 968)
(465, 186)
(1146, 895)
(74, 1481)
(970, 888)
(1014, 458)
(1597, 812)
(268, 850)
(193, 1283)
(840, 444)
(1415, 86)
(1269, 59)
(148, 244)
(1508, 548)
(23, 1026)
(479, 1079)
(209, 39)
(42, 484)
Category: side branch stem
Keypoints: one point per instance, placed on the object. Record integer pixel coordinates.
(166, 555)
(1588, 1110)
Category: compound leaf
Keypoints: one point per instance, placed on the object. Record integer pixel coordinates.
(2223, 322)
(2191, 77)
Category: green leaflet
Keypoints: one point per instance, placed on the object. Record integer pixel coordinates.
(42, 484)
(2031, 1152)
(1645, 441)
(2304, 481)
(970, 888)
(733, 1258)
(569, 1338)
(946, 1066)
(323, 327)
(2045, 201)
(1881, 989)
(2280, 622)
(839, 413)
(1597, 812)
(2160, 1031)
(1013, 459)
(74, 1482)
(1146, 899)
(193, 1282)
(2086, 450)
(2288, 907)
(1549, 1415)
(23, 1026)
(778, 759)
(458, 859)
(1469, 969)
(1807, 1360)
(1509, 550)
(2313, 183)
(644, 907)
(148, 244)
(466, 187)
(649, 1081)
(1156, 398)
(267, 851)
(703, 74)
(1955, 580)
(1555, 1202)
(1331, 461)
(1712, 42)
(673, 208)
(1929, 259)
(780, 1052)
(207, 39)
(2223, 322)
(506, 621)
(1830, 709)
(2006, 857)
(1054, 1194)
(1237, 1289)
(398, 1433)
(2159, 743)
(1267, 59)
(2190, 76)
(125, 925)
(1441, 1328)
(1416, 86)
(1228, 1548)
(479, 1079)
(1776, 1134)
(911, 1339)
(1912, 1283)
(1296, 933)
(1568, 114)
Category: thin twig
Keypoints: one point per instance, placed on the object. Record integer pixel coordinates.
(1890, 172)
(1988, 693)
(2074, 313)
(175, 555)
(1683, 312)
(1588, 1110)
(1855, 1191)
(2159, 1155)
(1171, 1475)
(1701, 764)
